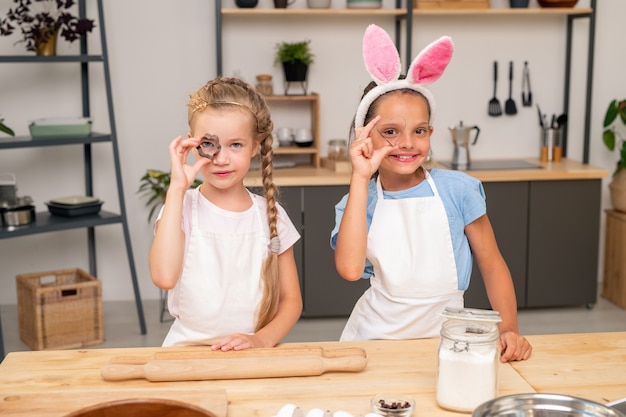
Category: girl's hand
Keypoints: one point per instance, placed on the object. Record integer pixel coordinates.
(365, 159)
(237, 341)
(514, 347)
(182, 174)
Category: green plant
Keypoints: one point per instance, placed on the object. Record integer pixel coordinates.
(294, 53)
(153, 186)
(38, 20)
(6, 129)
(612, 138)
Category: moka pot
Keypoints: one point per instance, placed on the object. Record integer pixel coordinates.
(461, 139)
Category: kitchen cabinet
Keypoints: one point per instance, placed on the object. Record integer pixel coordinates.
(45, 222)
(324, 292)
(614, 283)
(548, 233)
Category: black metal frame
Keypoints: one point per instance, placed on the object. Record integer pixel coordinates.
(44, 221)
(409, 45)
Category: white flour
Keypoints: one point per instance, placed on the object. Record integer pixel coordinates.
(467, 378)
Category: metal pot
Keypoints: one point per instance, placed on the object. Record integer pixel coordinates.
(544, 405)
(21, 214)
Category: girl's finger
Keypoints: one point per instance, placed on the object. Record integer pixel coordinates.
(365, 130)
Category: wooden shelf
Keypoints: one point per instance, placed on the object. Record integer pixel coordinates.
(314, 149)
(534, 11)
(583, 11)
(314, 12)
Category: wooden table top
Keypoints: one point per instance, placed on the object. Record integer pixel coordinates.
(53, 383)
(566, 169)
(586, 365)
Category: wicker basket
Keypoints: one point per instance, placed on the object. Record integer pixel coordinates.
(59, 309)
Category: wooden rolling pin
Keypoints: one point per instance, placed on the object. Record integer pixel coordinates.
(251, 363)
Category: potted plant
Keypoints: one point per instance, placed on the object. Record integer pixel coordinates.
(295, 58)
(153, 186)
(41, 21)
(613, 139)
(6, 129)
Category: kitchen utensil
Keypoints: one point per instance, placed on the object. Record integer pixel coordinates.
(8, 189)
(75, 200)
(527, 95)
(209, 146)
(139, 407)
(545, 405)
(74, 210)
(285, 136)
(60, 127)
(515, 4)
(303, 137)
(461, 140)
(364, 4)
(21, 214)
(69, 403)
(509, 105)
(391, 129)
(494, 105)
(561, 120)
(557, 3)
(393, 405)
(619, 405)
(541, 122)
(246, 3)
(253, 363)
(282, 4)
(318, 4)
(551, 144)
(469, 356)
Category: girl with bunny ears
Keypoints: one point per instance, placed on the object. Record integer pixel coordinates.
(411, 231)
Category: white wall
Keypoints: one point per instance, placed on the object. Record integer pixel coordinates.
(160, 52)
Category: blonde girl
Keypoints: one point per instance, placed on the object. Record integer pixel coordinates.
(224, 253)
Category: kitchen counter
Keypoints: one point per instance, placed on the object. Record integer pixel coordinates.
(53, 383)
(567, 169)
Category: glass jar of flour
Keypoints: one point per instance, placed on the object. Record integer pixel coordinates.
(469, 358)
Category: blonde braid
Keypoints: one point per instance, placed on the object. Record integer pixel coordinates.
(269, 272)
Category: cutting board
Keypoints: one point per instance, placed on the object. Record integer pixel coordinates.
(53, 404)
(250, 363)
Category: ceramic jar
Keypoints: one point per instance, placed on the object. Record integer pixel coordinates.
(246, 3)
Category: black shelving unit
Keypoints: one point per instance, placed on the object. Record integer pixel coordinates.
(45, 222)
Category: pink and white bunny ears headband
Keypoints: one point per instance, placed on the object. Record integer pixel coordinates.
(382, 62)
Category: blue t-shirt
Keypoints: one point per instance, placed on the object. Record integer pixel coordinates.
(464, 201)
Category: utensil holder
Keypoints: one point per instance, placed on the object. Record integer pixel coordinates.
(516, 4)
(551, 145)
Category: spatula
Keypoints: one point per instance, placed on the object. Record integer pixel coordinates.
(509, 105)
(494, 104)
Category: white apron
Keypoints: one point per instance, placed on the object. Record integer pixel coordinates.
(220, 288)
(415, 275)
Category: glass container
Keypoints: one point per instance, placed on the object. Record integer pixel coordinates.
(469, 358)
(338, 150)
(264, 84)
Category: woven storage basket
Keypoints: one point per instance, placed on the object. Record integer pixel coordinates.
(59, 309)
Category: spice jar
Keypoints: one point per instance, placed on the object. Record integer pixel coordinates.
(469, 358)
(337, 150)
(264, 84)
